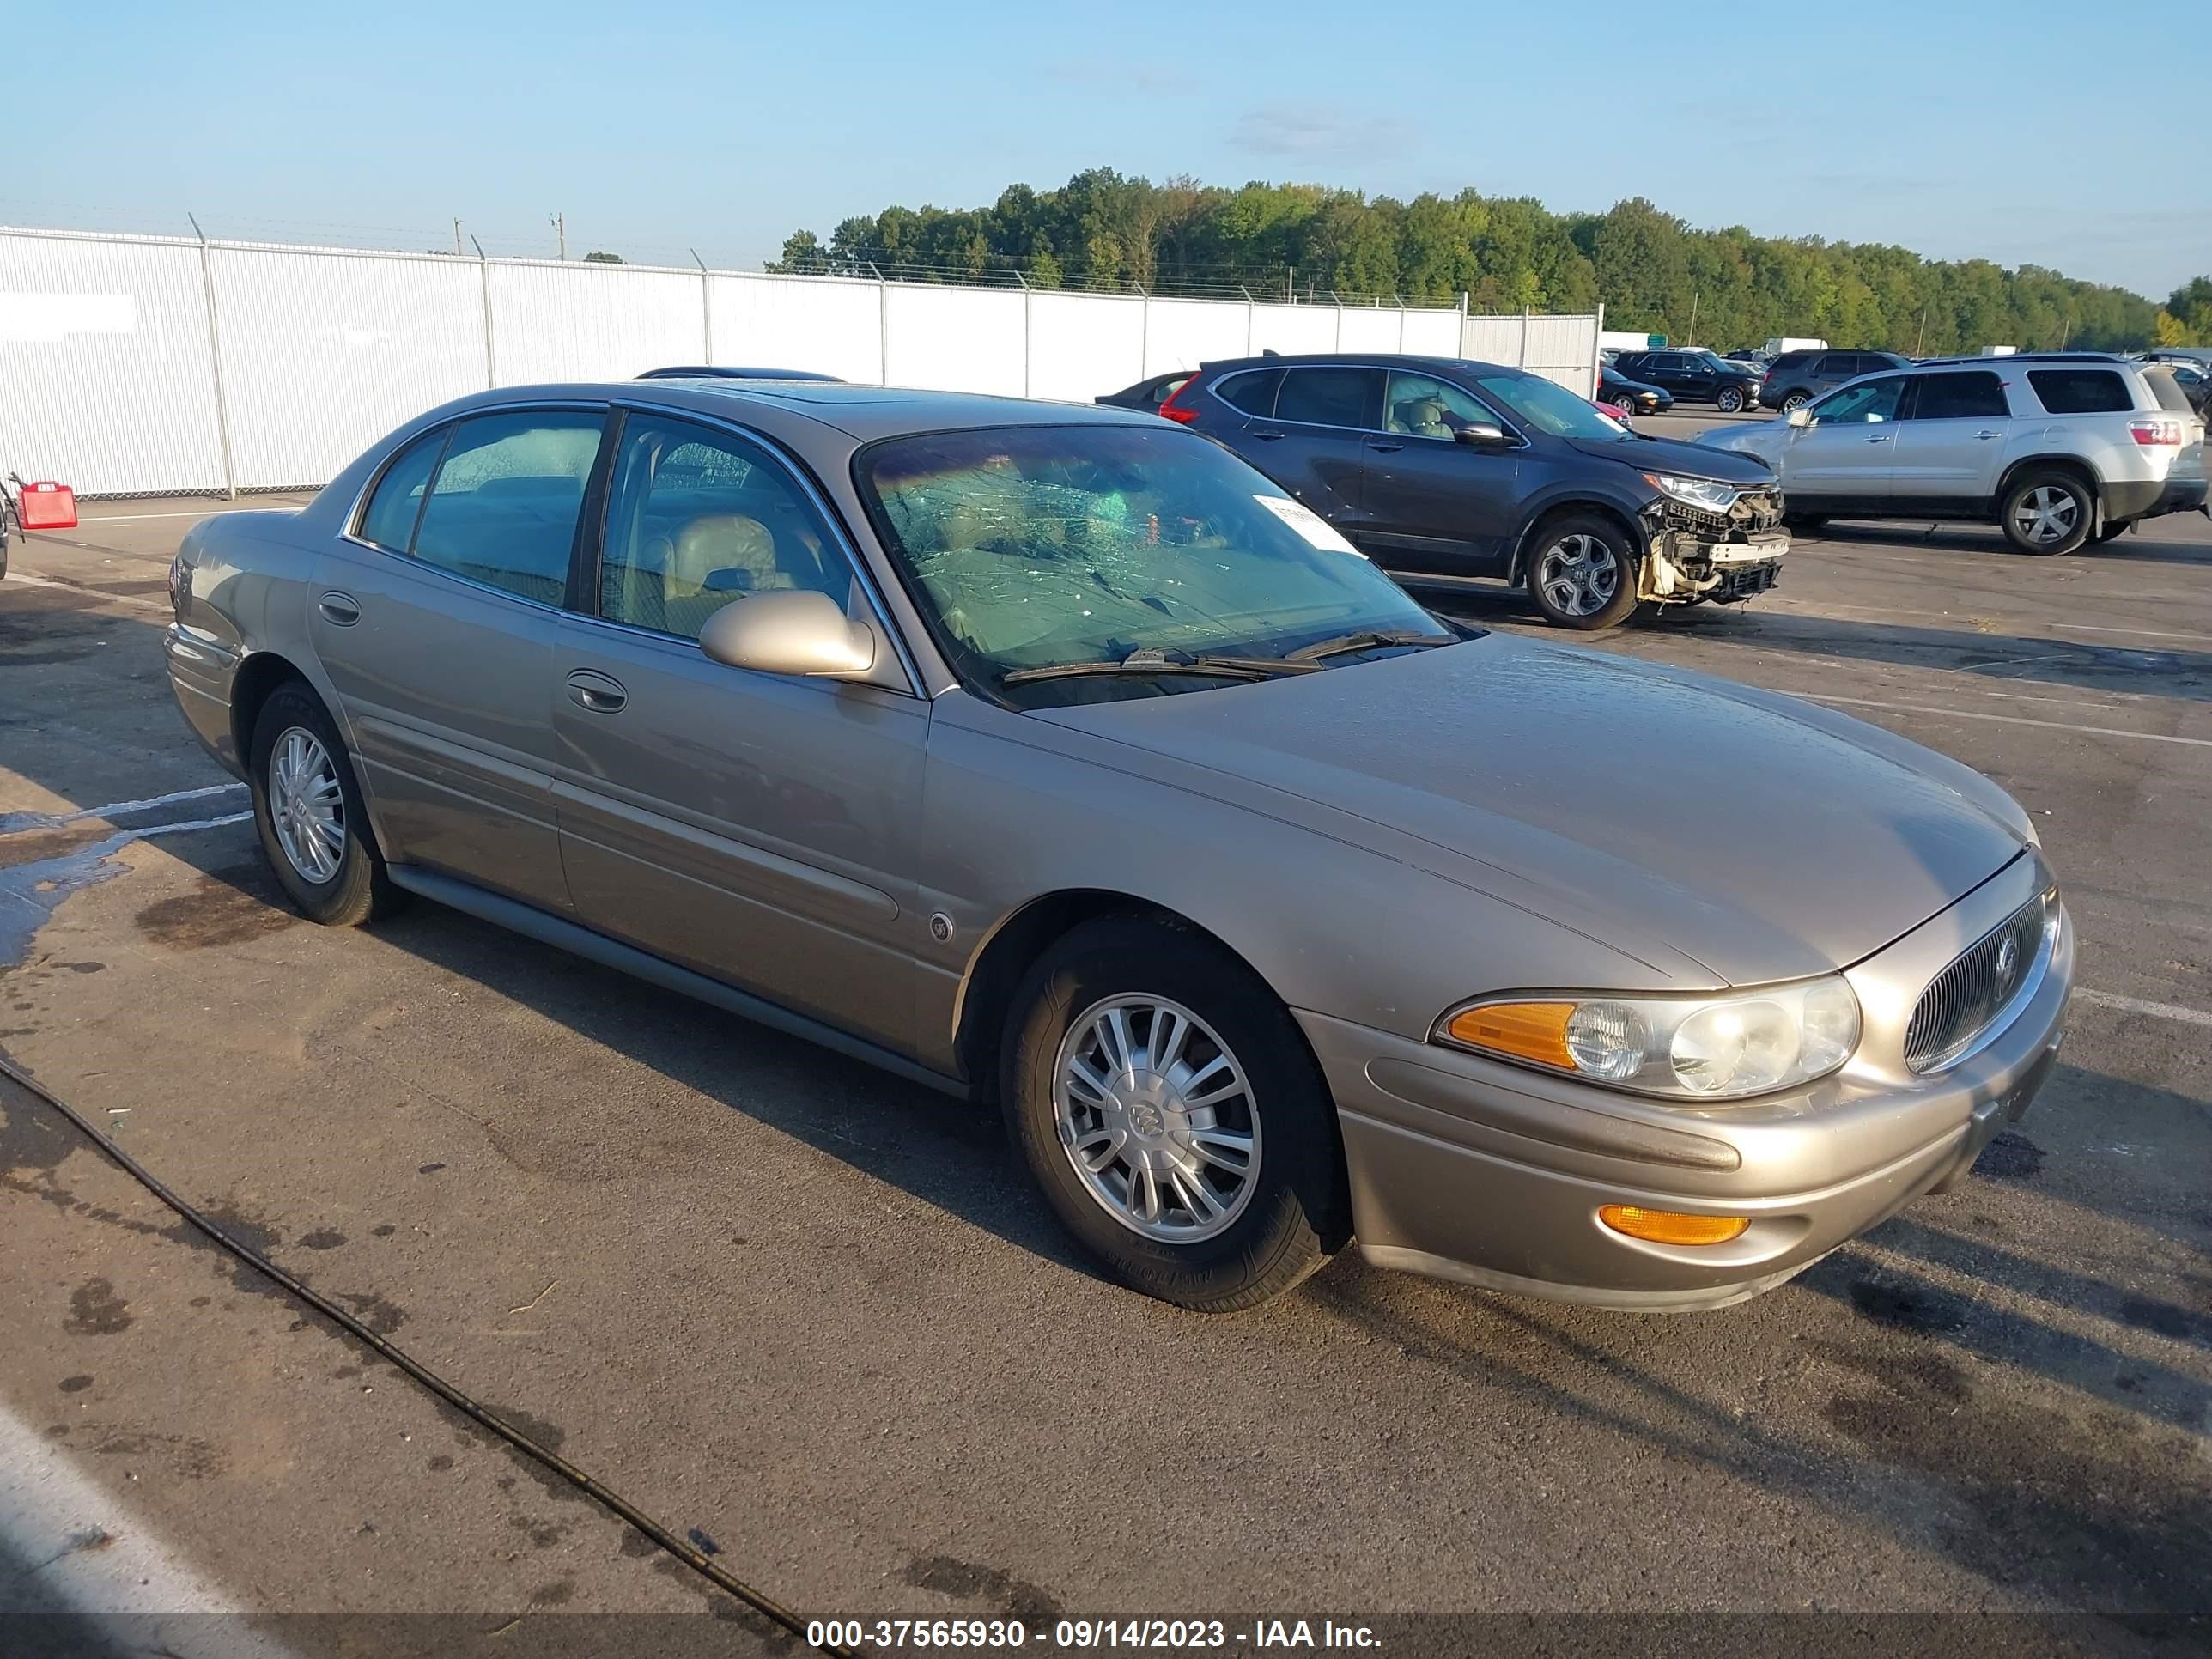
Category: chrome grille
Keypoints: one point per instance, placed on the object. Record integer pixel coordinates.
(1977, 989)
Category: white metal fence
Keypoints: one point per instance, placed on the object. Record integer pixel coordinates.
(156, 365)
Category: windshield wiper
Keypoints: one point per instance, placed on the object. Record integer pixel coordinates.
(1162, 662)
(1366, 641)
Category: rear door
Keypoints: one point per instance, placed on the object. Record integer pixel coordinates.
(1950, 441)
(1844, 459)
(435, 618)
(753, 827)
(1432, 503)
(1314, 443)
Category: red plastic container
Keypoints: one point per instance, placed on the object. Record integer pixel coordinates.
(48, 507)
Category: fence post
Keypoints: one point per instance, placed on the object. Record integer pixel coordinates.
(1143, 335)
(214, 363)
(706, 306)
(1597, 346)
(483, 281)
(883, 328)
(1029, 348)
(1523, 363)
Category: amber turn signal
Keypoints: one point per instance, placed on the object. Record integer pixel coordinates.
(1526, 1031)
(1671, 1226)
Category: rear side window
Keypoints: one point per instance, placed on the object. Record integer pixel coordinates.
(1331, 397)
(1254, 393)
(1788, 361)
(2166, 385)
(503, 510)
(1840, 365)
(2080, 391)
(1974, 395)
(389, 521)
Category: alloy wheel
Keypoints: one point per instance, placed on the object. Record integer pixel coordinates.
(1579, 575)
(1157, 1118)
(306, 808)
(2046, 514)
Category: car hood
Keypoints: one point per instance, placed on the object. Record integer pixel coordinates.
(1672, 455)
(1762, 838)
(1765, 441)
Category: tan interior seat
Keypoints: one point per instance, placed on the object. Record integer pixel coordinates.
(724, 541)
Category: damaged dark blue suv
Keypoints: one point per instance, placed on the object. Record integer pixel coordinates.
(1444, 470)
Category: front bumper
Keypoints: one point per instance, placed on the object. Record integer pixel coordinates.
(201, 671)
(1471, 1170)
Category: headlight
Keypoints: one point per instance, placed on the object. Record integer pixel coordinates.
(1711, 494)
(1716, 1048)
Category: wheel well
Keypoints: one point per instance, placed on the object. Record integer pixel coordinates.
(257, 676)
(2071, 464)
(1563, 509)
(986, 1000)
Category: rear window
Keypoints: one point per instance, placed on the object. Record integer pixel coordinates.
(2165, 386)
(2080, 391)
(1254, 393)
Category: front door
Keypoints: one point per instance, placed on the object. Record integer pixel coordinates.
(1951, 441)
(1432, 503)
(434, 620)
(753, 827)
(1843, 459)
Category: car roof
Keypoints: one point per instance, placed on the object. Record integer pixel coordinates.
(1356, 360)
(862, 413)
(2103, 359)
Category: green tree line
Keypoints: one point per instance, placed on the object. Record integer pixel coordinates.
(1654, 271)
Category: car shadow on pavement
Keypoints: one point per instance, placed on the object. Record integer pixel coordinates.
(2144, 545)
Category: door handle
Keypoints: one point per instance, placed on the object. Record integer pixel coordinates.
(1385, 449)
(339, 609)
(1270, 437)
(602, 693)
(1989, 434)
(1883, 440)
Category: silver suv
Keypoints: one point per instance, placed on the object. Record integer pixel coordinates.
(2058, 449)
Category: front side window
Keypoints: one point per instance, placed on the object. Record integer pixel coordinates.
(1534, 401)
(2080, 391)
(1024, 547)
(503, 510)
(697, 519)
(1976, 394)
(1863, 404)
(1331, 397)
(1422, 406)
(389, 518)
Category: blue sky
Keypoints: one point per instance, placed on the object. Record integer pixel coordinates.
(2002, 129)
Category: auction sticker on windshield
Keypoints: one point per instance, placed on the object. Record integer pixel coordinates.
(1309, 523)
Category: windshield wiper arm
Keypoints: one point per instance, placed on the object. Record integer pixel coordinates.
(1366, 641)
(1162, 662)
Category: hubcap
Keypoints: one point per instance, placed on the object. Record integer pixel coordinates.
(2047, 513)
(1157, 1118)
(306, 806)
(1579, 575)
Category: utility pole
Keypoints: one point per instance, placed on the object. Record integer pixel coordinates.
(559, 223)
(1693, 316)
(1922, 338)
(457, 236)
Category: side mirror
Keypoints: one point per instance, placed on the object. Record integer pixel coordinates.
(1482, 435)
(797, 632)
(1799, 416)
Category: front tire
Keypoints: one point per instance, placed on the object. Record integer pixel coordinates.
(1167, 1104)
(308, 810)
(1581, 573)
(2048, 512)
(1730, 401)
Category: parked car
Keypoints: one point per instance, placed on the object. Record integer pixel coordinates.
(1447, 470)
(1795, 378)
(1052, 756)
(1614, 387)
(1694, 377)
(2195, 383)
(2056, 448)
(1745, 355)
(1149, 393)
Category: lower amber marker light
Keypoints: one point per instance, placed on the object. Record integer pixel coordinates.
(1672, 1226)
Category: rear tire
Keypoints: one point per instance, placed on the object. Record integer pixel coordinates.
(1265, 1217)
(1794, 400)
(307, 810)
(1582, 572)
(2048, 512)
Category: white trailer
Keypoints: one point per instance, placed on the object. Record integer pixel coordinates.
(1775, 347)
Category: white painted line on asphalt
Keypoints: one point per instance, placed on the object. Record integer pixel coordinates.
(2007, 719)
(2145, 633)
(2137, 1005)
(82, 1553)
(27, 578)
(207, 513)
(15, 824)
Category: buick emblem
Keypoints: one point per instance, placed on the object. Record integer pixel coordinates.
(2008, 966)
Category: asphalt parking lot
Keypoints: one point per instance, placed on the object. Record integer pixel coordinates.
(817, 1315)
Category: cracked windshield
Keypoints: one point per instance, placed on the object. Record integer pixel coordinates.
(1056, 547)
